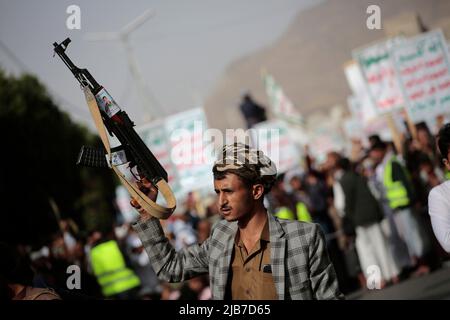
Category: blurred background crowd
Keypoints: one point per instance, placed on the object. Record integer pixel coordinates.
(364, 179)
(369, 221)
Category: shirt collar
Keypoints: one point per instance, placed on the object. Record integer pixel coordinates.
(265, 235)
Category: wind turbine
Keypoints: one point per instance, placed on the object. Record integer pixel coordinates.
(152, 109)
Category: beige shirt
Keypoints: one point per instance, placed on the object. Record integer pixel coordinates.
(251, 272)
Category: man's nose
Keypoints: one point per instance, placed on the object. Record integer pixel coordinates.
(222, 199)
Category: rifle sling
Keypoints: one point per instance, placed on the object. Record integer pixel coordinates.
(150, 206)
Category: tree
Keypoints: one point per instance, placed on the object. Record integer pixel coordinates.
(40, 145)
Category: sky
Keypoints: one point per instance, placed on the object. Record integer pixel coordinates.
(181, 51)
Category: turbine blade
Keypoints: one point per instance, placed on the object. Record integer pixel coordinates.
(136, 23)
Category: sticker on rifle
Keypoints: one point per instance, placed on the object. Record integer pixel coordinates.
(106, 103)
(118, 158)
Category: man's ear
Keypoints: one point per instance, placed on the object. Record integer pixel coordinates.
(258, 191)
(446, 164)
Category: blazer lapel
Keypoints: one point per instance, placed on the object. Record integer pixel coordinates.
(225, 260)
(277, 255)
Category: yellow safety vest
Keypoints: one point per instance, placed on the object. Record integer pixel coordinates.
(396, 192)
(447, 175)
(302, 213)
(110, 269)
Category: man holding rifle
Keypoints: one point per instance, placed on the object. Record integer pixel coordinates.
(250, 254)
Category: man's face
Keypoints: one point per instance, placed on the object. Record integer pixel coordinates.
(235, 199)
(422, 137)
(377, 155)
(296, 183)
(331, 161)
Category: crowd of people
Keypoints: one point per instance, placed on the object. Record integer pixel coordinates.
(372, 207)
(98, 255)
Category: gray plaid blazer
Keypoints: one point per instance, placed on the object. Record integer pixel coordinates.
(301, 268)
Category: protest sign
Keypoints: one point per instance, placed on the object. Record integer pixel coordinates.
(423, 68)
(379, 74)
(190, 154)
(156, 138)
(273, 138)
(281, 105)
(360, 104)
